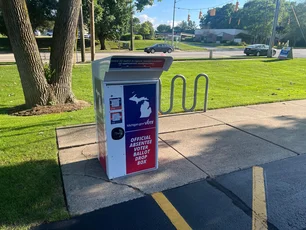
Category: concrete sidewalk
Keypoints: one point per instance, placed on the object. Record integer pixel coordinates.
(192, 146)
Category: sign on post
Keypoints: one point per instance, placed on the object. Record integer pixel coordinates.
(286, 53)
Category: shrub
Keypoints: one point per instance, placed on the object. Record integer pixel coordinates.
(231, 43)
(189, 39)
(138, 37)
(125, 37)
(244, 44)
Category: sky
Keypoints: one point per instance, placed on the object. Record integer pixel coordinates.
(162, 12)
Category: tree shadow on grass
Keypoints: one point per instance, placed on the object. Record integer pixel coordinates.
(12, 109)
(7, 63)
(274, 60)
(31, 192)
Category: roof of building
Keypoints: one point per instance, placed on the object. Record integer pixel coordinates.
(220, 31)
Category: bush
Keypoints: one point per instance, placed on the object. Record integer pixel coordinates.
(300, 43)
(244, 43)
(138, 37)
(189, 39)
(231, 43)
(42, 42)
(125, 37)
(5, 42)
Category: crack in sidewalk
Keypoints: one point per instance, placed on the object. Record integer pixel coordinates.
(109, 181)
(104, 179)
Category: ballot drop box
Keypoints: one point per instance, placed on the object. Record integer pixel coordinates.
(126, 93)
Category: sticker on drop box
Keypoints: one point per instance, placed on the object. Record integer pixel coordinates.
(115, 103)
(116, 118)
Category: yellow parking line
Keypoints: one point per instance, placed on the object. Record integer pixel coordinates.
(259, 206)
(170, 211)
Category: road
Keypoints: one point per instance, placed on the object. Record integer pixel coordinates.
(298, 53)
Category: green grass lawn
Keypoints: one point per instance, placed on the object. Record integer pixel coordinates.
(31, 189)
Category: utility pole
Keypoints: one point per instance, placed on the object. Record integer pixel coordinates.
(274, 28)
(92, 29)
(132, 29)
(172, 39)
(81, 29)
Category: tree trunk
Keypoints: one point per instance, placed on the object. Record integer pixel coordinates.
(62, 49)
(102, 43)
(30, 66)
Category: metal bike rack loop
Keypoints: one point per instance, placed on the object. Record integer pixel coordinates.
(184, 93)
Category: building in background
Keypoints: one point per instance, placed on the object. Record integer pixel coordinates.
(221, 35)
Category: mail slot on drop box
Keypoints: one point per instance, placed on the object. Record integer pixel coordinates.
(126, 93)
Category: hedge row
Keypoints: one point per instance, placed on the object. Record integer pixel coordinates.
(127, 37)
(43, 42)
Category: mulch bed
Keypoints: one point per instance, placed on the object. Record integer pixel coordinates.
(48, 109)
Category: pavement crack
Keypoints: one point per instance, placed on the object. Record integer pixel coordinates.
(271, 142)
(130, 186)
(239, 203)
(107, 180)
(254, 135)
(86, 162)
(118, 183)
(186, 158)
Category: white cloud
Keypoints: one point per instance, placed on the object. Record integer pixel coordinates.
(148, 6)
(145, 17)
(169, 22)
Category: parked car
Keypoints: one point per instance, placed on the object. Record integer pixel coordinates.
(37, 33)
(258, 50)
(159, 48)
(49, 33)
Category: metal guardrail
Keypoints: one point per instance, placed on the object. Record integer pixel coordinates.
(184, 93)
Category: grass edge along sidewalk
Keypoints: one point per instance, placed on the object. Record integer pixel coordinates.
(31, 189)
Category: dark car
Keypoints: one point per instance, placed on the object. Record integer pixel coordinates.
(159, 48)
(258, 50)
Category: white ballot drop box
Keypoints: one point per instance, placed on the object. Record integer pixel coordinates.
(126, 95)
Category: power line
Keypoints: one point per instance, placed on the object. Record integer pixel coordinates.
(298, 22)
(203, 8)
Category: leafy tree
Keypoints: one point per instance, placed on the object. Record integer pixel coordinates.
(257, 17)
(292, 31)
(163, 28)
(186, 27)
(2, 24)
(145, 29)
(136, 25)
(221, 19)
(140, 4)
(115, 17)
(42, 14)
(37, 89)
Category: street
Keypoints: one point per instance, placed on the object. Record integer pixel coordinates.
(297, 53)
